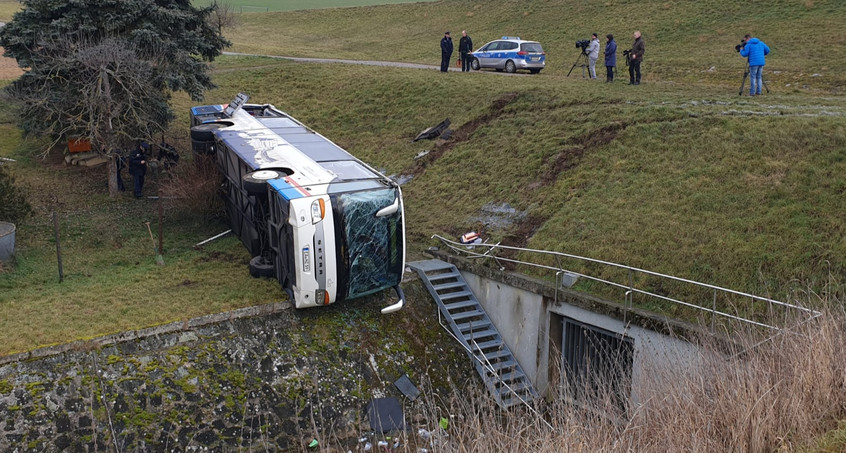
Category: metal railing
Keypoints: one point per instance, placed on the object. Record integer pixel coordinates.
(629, 288)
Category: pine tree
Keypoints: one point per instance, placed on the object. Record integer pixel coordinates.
(104, 69)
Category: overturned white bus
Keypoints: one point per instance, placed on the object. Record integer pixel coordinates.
(326, 225)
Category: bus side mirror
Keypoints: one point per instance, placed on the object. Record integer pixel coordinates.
(398, 305)
(388, 210)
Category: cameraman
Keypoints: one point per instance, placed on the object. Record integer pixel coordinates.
(636, 57)
(593, 54)
(755, 50)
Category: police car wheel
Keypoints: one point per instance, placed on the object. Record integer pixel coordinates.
(475, 64)
(261, 267)
(255, 183)
(510, 67)
(205, 132)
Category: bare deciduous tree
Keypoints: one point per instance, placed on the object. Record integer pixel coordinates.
(103, 90)
(223, 16)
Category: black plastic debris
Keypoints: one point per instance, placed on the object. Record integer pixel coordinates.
(446, 135)
(385, 415)
(434, 131)
(404, 385)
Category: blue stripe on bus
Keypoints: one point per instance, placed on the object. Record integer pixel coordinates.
(287, 190)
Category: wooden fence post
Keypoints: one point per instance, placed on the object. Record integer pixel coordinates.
(58, 246)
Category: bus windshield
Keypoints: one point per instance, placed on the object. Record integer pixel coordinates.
(371, 255)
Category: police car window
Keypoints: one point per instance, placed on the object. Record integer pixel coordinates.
(493, 46)
(510, 45)
(531, 47)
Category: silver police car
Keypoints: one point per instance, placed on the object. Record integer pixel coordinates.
(510, 54)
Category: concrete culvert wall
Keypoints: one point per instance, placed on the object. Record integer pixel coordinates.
(265, 379)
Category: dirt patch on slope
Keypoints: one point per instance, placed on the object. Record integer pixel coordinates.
(462, 134)
(578, 146)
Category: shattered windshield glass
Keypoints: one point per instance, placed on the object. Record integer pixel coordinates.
(372, 252)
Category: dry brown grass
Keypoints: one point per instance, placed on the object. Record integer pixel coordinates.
(192, 186)
(778, 395)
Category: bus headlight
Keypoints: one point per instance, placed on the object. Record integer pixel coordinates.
(318, 210)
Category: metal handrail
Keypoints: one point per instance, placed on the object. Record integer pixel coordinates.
(630, 289)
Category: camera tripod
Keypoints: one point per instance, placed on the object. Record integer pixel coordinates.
(745, 75)
(583, 57)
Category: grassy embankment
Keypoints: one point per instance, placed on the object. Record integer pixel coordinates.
(687, 42)
(680, 176)
(691, 181)
(240, 6)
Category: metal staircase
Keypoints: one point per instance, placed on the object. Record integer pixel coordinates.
(470, 325)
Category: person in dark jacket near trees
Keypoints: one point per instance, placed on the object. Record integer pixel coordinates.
(138, 167)
(446, 51)
(610, 57)
(755, 50)
(638, 49)
(465, 46)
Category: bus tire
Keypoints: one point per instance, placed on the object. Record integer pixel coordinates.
(255, 183)
(205, 132)
(261, 267)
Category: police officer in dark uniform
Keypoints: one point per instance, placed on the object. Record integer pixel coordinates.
(446, 51)
(465, 46)
(138, 167)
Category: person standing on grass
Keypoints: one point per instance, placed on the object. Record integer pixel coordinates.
(593, 54)
(446, 52)
(610, 57)
(465, 46)
(638, 49)
(138, 167)
(755, 50)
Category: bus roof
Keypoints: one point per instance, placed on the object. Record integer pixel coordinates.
(264, 137)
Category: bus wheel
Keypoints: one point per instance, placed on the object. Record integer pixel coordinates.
(205, 132)
(255, 183)
(261, 267)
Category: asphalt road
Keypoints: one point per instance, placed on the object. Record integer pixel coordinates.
(392, 64)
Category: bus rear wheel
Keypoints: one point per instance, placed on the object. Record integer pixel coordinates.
(261, 267)
(255, 183)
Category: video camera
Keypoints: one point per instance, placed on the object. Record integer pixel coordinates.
(740, 46)
(582, 44)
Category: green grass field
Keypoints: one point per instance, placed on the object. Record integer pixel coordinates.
(679, 175)
(253, 6)
(687, 42)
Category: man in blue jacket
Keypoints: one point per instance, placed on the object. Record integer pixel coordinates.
(446, 52)
(755, 50)
(610, 57)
